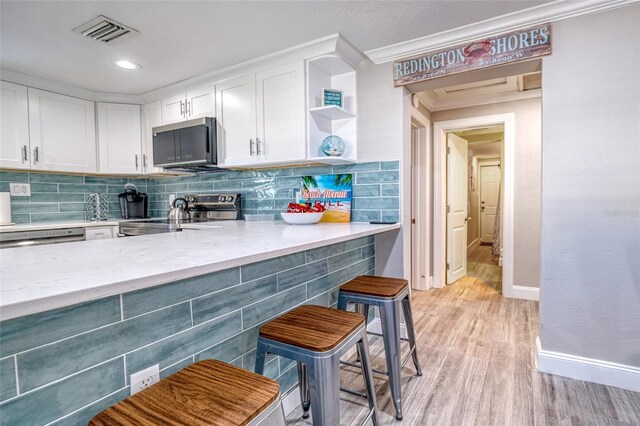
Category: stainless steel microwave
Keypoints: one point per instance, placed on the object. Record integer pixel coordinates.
(188, 145)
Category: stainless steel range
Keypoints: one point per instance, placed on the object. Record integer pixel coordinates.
(202, 207)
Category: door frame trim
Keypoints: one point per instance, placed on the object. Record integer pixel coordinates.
(440, 128)
(420, 202)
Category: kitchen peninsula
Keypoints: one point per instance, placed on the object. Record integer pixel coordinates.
(79, 318)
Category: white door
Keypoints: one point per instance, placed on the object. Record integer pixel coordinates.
(151, 117)
(119, 138)
(236, 114)
(489, 190)
(14, 126)
(62, 131)
(457, 208)
(200, 102)
(174, 109)
(280, 110)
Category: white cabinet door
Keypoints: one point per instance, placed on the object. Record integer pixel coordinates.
(151, 117)
(200, 102)
(281, 112)
(62, 131)
(236, 114)
(174, 109)
(119, 138)
(14, 126)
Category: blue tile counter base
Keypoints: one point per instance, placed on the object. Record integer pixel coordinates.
(66, 365)
(59, 197)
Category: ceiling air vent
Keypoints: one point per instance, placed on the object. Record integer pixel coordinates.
(105, 29)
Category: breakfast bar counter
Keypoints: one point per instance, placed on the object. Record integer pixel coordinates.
(37, 279)
(78, 319)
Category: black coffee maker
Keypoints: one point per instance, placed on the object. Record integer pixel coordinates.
(133, 204)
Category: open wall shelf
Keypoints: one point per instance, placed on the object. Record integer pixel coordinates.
(331, 72)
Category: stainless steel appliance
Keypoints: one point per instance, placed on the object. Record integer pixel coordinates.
(40, 237)
(179, 210)
(188, 145)
(215, 206)
(203, 208)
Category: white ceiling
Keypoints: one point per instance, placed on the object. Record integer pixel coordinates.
(183, 39)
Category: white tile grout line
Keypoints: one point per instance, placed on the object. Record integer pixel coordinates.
(64, 378)
(191, 311)
(15, 371)
(124, 359)
(85, 406)
(121, 308)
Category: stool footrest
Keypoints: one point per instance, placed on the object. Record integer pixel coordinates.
(357, 365)
(373, 333)
(352, 392)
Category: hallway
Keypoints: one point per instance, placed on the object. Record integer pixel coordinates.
(477, 351)
(482, 268)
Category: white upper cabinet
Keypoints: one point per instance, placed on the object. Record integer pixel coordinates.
(281, 114)
(14, 126)
(186, 106)
(262, 117)
(236, 116)
(119, 138)
(151, 117)
(62, 132)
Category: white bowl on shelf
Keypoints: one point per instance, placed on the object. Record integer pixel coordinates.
(301, 218)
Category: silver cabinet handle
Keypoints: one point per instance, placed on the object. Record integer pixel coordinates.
(182, 108)
(251, 146)
(189, 108)
(257, 146)
(24, 153)
(36, 156)
(144, 161)
(136, 161)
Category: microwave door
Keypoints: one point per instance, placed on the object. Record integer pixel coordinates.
(164, 148)
(192, 146)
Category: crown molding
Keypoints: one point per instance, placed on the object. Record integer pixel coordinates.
(551, 12)
(65, 89)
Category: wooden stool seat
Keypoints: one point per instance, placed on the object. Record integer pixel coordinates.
(312, 327)
(371, 285)
(209, 392)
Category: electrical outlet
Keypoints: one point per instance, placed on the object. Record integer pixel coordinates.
(172, 197)
(20, 189)
(145, 378)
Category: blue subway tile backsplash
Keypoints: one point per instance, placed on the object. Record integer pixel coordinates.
(58, 197)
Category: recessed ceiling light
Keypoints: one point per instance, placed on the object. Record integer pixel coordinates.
(127, 65)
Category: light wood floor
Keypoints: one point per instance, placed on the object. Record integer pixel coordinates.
(478, 361)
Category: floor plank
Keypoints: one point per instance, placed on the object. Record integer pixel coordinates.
(477, 352)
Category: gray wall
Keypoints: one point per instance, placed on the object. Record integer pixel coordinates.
(526, 268)
(590, 292)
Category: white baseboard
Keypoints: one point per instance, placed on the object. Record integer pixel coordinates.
(473, 243)
(527, 293)
(588, 369)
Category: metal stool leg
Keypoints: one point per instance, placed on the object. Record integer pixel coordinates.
(408, 320)
(303, 382)
(261, 355)
(390, 321)
(367, 375)
(324, 382)
(362, 308)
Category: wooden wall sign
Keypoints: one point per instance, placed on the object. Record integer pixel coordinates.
(502, 49)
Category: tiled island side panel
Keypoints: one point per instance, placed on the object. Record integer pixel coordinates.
(64, 366)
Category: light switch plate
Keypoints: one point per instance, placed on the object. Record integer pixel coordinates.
(20, 189)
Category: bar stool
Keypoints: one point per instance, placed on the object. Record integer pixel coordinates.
(388, 294)
(316, 337)
(209, 392)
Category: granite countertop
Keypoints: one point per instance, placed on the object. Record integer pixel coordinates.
(40, 278)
